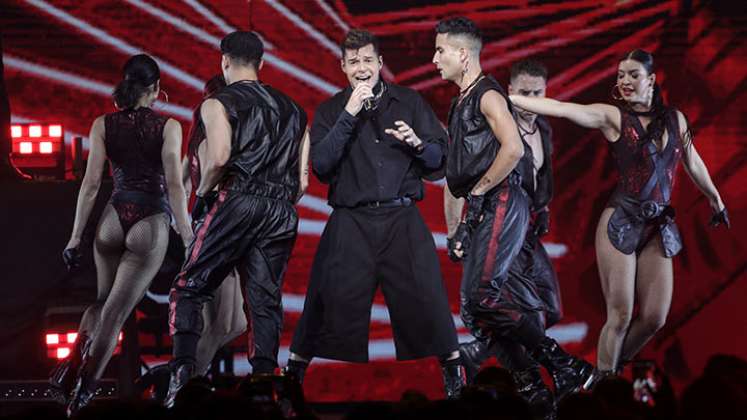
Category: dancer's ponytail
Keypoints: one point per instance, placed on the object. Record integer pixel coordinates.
(140, 73)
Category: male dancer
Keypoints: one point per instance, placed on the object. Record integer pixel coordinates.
(532, 265)
(253, 135)
(485, 160)
(373, 142)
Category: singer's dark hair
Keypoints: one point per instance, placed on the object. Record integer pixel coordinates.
(356, 39)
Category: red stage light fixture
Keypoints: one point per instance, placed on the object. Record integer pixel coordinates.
(39, 149)
(60, 344)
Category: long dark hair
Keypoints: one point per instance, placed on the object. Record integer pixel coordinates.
(659, 108)
(140, 72)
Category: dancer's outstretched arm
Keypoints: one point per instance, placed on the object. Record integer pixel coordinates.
(89, 188)
(600, 116)
(696, 169)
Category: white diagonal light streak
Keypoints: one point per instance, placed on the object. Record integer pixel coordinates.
(304, 26)
(213, 41)
(220, 23)
(176, 22)
(115, 42)
(82, 83)
(331, 13)
(209, 15)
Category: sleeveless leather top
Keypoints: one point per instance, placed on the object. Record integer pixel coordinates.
(133, 141)
(267, 129)
(472, 145)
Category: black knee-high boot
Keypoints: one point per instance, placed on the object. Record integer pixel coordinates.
(473, 355)
(533, 389)
(62, 378)
(568, 373)
(453, 374)
(180, 376)
(84, 389)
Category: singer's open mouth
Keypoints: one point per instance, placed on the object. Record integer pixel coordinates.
(363, 78)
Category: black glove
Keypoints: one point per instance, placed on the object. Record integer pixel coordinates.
(461, 235)
(542, 223)
(721, 217)
(464, 231)
(202, 205)
(71, 257)
(474, 211)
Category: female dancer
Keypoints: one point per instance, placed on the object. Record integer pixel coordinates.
(223, 316)
(636, 236)
(132, 235)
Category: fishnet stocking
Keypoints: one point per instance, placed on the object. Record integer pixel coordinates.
(125, 267)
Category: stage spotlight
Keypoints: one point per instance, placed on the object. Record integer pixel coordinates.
(63, 352)
(26, 148)
(38, 149)
(35, 131)
(55, 130)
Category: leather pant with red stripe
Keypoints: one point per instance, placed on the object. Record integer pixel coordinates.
(495, 304)
(254, 234)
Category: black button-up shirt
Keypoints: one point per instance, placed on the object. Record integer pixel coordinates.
(361, 163)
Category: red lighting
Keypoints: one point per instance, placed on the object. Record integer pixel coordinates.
(45, 147)
(35, 131)
(55, 131)
(26, 148)
(63, 352)
(16, 131)
(61, 344)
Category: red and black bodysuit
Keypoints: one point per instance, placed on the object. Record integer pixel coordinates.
(647, 175)
(133, 141)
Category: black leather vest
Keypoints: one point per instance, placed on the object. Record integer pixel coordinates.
(472, 144)
(267, 128)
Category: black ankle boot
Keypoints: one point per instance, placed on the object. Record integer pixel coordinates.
(84, 389)
(453, 381)
(473, 355)
(296, 370)
(180, 375)
(533, 389)
(62, 379)
(569, 373)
